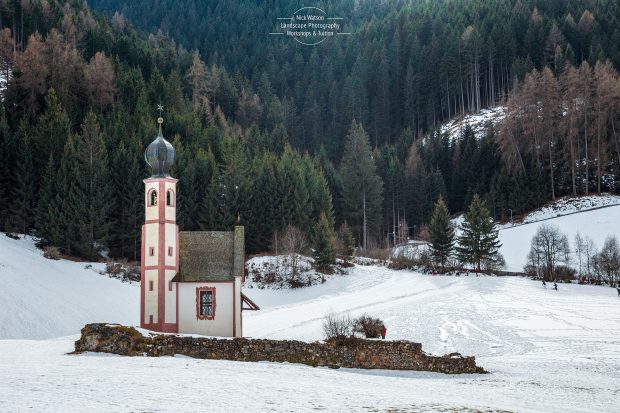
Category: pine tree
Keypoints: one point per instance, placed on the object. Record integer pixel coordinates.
(362, 188)
(324, 238)
(478, 241)
(442, 234)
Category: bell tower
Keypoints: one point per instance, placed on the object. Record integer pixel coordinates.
(160, 240)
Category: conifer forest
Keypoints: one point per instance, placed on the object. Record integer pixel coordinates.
(272, 133)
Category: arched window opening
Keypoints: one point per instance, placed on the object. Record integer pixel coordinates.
(170, 198)
(153, 198)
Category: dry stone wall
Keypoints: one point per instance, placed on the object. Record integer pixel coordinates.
(351, 353)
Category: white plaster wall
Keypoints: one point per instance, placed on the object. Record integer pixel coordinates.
(170, 240)
(221, 325)
(150, 297)
(170, 298)
(238, 304)
(151, 239)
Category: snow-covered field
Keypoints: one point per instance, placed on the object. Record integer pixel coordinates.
(545, 350)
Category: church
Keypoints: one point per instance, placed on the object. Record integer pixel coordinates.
(191, 282)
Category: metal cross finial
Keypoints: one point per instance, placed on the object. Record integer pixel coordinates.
(160, 120)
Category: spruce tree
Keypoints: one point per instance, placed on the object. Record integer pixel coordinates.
(46, 217)
(478, 241)
(362, 188)
(442, 234)
(68, 202)
(324, 238)
(346, 243)
(94, 188)
(23, 190)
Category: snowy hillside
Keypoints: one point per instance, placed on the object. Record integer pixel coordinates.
(593, 216)
(42, 298)
(478, 122)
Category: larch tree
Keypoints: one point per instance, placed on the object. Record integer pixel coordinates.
(30, 76)
(100, 81)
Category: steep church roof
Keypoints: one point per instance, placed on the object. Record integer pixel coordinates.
(210, 255)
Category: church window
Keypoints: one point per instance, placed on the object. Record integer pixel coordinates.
(205, 303)
(170, 198)
(153, 197)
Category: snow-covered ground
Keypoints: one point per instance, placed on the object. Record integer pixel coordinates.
(42, 298)
(478, 122)
(545, 350)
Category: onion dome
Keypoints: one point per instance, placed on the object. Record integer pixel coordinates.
(160, 155)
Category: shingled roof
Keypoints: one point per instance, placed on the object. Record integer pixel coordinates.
(210, 255)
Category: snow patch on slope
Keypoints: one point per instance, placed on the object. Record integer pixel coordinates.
(43, 298)
(478, 122)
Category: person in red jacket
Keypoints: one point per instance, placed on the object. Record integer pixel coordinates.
(383, 332)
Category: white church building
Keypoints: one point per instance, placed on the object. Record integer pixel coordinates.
(190, 281)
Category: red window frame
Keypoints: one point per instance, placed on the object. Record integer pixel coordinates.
(204, 317)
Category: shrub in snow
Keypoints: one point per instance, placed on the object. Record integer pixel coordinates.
(367, 326)
(123, 271)
(337, 326)
(52, 253)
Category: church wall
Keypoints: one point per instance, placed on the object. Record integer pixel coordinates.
(152, 240)
(238, 306)
(171, 242)
(222, 324)
(150, 297)
(171, 298)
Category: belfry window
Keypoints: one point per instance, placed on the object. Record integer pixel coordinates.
(153, 198)
(170, 198)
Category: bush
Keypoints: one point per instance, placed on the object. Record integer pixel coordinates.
(367, 326)
(123, 271)
(52, 253)
(337, 326)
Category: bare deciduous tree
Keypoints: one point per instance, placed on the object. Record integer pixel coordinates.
(293, 243)
(549, 248)
(607, 262)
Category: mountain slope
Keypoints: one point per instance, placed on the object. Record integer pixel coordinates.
(42, 298)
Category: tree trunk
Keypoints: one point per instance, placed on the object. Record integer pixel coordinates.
(364, 220)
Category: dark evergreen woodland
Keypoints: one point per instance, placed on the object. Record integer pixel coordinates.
(270, 133)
